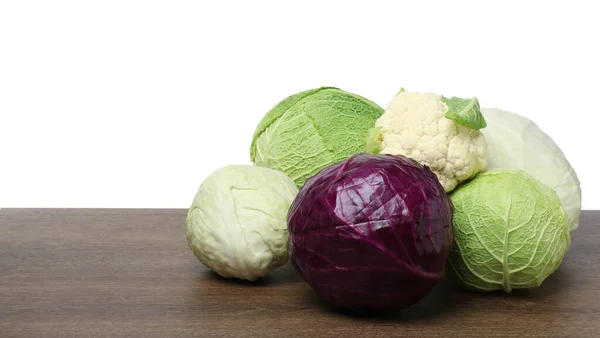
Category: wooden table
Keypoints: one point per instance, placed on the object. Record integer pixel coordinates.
(112, 273)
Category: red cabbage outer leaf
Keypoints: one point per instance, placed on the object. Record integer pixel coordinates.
(371, 232)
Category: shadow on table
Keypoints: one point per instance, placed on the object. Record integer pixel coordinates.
(447, 299)
(282, 275)
(435, 304)
(450, 299)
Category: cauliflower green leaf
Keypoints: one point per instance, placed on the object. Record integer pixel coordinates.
(465, 112)
(374, 139)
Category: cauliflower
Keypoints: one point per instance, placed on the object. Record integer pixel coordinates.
(421, 126)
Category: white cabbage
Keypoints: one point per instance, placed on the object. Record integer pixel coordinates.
(515, 142)
(237, 224)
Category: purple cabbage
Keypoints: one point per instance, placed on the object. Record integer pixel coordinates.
(371, 232)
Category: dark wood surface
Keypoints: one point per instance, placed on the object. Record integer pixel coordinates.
(121, 273)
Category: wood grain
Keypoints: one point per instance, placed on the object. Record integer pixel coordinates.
(122, 273)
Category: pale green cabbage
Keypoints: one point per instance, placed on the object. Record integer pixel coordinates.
(510, 231)
(237, 225)
(515, 142)
(311, 130)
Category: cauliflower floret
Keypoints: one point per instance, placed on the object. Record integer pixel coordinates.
(414, 125)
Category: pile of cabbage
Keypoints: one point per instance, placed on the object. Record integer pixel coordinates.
(371, 205)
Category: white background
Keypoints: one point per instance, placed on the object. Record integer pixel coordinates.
(133, 104)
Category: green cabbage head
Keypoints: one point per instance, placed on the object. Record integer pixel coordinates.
(237, 225)
(510, 231)
(311, 130)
